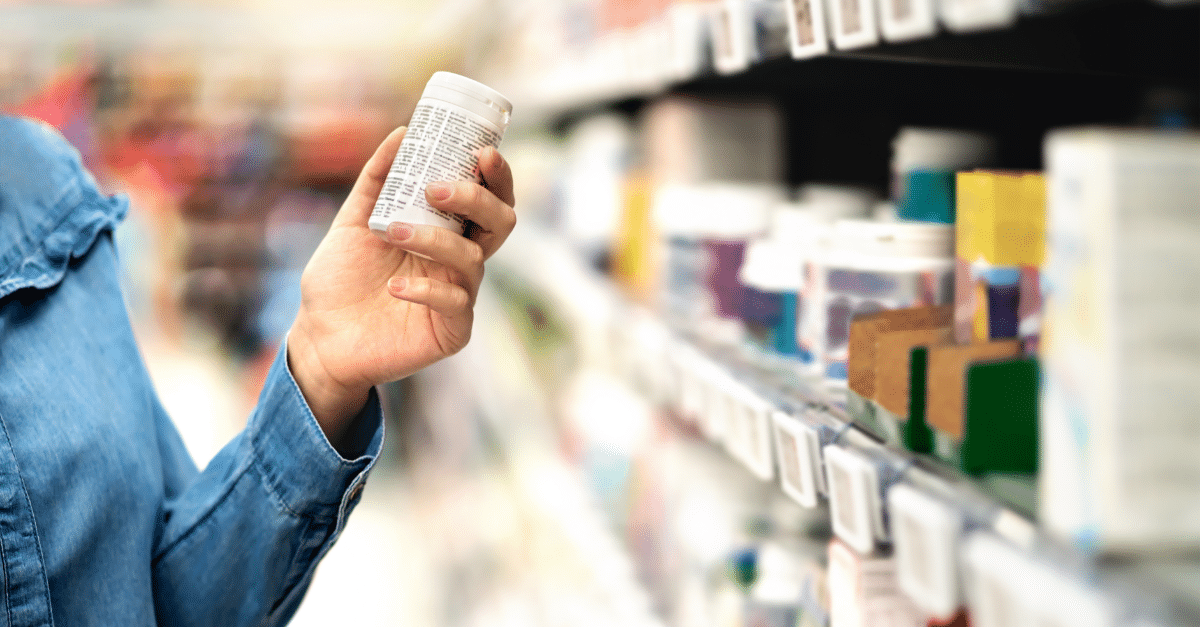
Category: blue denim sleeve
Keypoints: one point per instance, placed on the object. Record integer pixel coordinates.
(240, 544)
(112, 509)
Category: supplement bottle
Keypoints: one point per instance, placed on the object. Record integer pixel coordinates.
(875, 266)
(455, 118)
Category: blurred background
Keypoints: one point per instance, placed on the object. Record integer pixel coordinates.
(611, 449)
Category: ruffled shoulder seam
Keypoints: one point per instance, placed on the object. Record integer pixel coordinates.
(44, 263)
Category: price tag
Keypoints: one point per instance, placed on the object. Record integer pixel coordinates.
(963, 16)
(926, 534)
(755, 417)
(649, 342)
(853, 23)
(693, 388)
(732, 36)
(735, 423)
(853, 498)
(993, 585)
(620, 351)
(714, 410)
(799, 458)
(806, 28)
(670, 378)
(686, 40)
(905, 20)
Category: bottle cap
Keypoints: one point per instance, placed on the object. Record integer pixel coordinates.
(868, 239)
(728, 211)
(470, 94)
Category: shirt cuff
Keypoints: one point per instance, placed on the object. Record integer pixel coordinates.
(300, 465)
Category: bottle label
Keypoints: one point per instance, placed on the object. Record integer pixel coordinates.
(442, 144)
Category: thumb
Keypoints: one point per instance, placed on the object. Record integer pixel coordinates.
(361, 201)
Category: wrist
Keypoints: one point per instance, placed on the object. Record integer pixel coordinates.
(333, 403)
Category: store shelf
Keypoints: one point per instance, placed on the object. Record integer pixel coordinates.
(948, 531)
(1110, 45)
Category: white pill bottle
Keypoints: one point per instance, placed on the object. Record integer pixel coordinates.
(455, 118)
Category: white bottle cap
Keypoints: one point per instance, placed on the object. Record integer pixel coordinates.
(837, 202)
(470, 94)
(732, 211)
(868, 245)
(916, 148)
(773, 266)
(794, 224)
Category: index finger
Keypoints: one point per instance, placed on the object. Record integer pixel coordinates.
(361, 200)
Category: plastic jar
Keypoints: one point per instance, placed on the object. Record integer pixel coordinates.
(874, 266)
(773, 276)
(924, 161)
(706, 229)
(455, 118)
(774, 270)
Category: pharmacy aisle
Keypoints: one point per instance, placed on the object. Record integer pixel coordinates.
(853, 313)
(904, 264)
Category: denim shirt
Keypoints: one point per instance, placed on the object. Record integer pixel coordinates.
(104, 518)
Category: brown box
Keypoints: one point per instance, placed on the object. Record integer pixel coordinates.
(892, 351)
(864, 331)
(948, 379)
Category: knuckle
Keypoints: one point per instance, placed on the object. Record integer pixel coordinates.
(473, 195)
(423, 288)
(459, 299)
(474, 253)
(438, 238)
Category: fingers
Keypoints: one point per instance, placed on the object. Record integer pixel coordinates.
(447, 299)
(361, 201)
(446, 247)
(497, 175)
(495, 218)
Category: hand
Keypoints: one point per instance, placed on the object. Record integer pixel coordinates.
(371, 311)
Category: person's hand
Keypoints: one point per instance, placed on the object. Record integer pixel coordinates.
(372, 311)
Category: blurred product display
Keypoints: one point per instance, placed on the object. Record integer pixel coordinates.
(820, 313)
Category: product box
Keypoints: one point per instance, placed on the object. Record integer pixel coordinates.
(879, 369)
(1120, 433)
(892, 365)
(954, 389)
(865, 330)
(863, 591)
(999, 250)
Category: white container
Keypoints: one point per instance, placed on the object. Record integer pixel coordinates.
(1118, 427)
(918, 148)
(874, 266)
(707, 228)
(455, 118)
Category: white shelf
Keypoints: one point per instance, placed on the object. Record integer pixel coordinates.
(718, 386)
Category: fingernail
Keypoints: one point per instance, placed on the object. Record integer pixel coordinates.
(397, 284)
(439, 191)
(399, 231)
